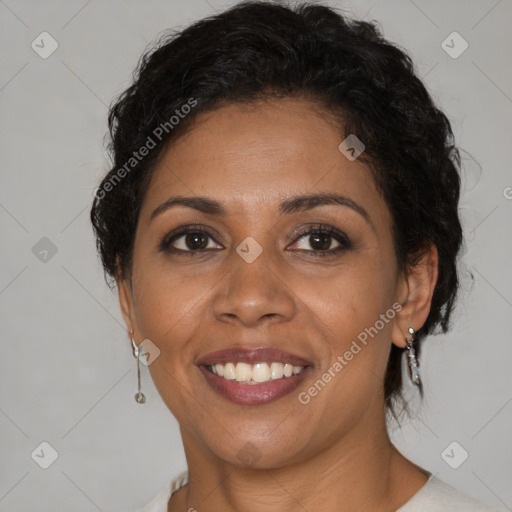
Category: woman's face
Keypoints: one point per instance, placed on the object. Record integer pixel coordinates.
(250, 284)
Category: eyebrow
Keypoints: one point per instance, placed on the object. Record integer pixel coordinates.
(294, 204)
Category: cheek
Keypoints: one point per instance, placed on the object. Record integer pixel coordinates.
(339, 307)
(343, 302)
(354, 312)
(353, 297)
(170, 311)
(170, 308)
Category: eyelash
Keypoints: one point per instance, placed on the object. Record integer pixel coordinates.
(165, 244)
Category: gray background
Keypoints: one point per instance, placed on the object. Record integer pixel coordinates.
(67, 375)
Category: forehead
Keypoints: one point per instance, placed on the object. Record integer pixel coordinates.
(251, 156)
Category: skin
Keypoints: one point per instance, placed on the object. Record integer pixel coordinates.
(333, 453)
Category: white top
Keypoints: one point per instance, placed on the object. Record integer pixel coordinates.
(434, 496)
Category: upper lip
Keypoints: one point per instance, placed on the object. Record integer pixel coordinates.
(252, 356)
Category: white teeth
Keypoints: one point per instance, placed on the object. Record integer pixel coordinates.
(276, 370)
(260, 372)
(243, 372)
(229, 371)
(255, 374)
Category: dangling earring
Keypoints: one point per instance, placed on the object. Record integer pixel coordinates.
(412, 362)
(139, 396)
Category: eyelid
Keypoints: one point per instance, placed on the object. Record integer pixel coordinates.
(326, 229)
(165, 242)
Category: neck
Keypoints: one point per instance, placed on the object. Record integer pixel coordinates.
(360, 471)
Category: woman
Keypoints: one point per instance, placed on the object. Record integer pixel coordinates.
(281, 222)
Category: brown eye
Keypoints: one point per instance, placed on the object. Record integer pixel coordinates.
(196, 241)
(317, 242)
(187, 240)
(322, 241)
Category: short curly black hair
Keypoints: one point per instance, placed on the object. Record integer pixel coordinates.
(264, 49)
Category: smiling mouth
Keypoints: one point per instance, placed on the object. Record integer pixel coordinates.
(254, 373)
(253, 376)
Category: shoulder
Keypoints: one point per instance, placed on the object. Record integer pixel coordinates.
(160, 501)
(437, 496)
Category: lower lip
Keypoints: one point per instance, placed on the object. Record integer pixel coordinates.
(253, 394)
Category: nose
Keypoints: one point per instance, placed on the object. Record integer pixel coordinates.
(253, 293)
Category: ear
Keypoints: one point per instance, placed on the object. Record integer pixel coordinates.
(415, 292)
(124, 289)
